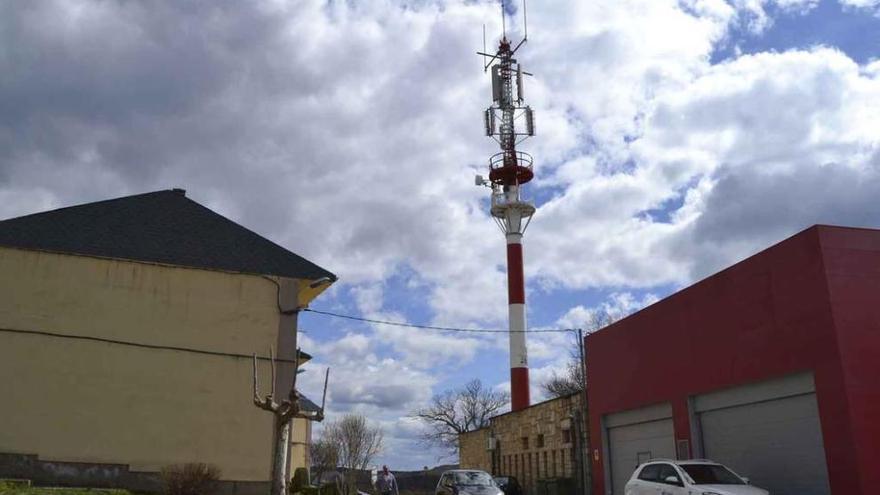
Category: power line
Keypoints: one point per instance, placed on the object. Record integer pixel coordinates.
(432, 327)
(140, 345)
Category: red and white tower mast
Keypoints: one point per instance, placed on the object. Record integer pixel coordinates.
(509, 121)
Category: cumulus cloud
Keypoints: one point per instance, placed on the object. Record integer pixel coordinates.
(294, 119)
(756, 15)
(616, 306)
(349, 133)
(781, 141)
(860, 4)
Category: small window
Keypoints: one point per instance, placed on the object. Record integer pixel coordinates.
(650, 473)
(539, 442)
(525, 443)
(566, 435)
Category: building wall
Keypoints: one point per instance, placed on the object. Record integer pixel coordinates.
(92, 402)
(852, 268)
(535, 443)
(473, 452)
(806, 304)
(300, 441)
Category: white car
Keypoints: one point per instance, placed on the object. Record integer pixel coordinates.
(696, 477)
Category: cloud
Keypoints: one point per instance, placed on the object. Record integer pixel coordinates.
(420, 348)
(756, 15)
(860, 4)
(617, 306)
(349, 133)
(779, 142)
(368, 385)
(292, 118)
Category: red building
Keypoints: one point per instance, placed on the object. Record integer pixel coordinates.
(771, 366)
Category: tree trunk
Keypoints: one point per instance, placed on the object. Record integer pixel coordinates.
(280, 462)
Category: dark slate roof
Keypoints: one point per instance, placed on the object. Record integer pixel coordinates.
(307, 405)
(162, 227)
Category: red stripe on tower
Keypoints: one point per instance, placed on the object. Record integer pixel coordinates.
(516, 291)
(519, 389)
(516, 285)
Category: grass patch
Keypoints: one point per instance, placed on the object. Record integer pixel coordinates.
(15, 489)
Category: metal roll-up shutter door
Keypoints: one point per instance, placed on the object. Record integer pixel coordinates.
(635, 437)
(768, 432)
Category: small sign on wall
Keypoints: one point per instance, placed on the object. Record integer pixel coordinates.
(596, 455)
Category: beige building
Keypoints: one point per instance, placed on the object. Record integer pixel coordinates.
(545, 441)
(126, 330)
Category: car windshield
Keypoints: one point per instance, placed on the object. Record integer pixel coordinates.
(472, 478)
(711, 474)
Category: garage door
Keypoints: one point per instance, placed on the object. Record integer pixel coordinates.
(768, 432)
(634, 437)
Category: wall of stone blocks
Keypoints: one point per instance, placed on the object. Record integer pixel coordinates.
(537, 443)
(473, 451)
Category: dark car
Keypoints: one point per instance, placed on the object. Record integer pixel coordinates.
(467, 482)
(509, 485)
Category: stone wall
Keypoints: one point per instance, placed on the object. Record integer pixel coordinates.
(473, 451)
(535, 444)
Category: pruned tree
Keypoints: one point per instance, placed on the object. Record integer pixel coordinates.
(284, 412)
(355, 443)
(572, 380)
(458, 411)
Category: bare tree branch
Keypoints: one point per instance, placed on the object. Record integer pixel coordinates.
(354, 443)
(573, 380)
(324, 456)
(457, 411)
(272, 365)
(257, 400)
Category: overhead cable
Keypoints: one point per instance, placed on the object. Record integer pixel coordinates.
(141, 345)
(438, 328)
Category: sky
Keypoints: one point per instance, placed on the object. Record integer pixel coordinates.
(674, 138)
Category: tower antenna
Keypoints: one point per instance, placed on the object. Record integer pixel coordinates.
(484, 38)
(509, 121)
(503, 22)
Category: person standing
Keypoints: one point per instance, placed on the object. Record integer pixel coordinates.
(385, 483)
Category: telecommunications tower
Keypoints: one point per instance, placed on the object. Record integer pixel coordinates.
(509, 122)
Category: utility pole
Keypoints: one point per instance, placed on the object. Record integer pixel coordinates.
(585, 451)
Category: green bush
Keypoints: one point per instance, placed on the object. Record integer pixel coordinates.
(300, 480)
(190, 479)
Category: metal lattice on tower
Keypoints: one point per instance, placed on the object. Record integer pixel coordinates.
(509, 121)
